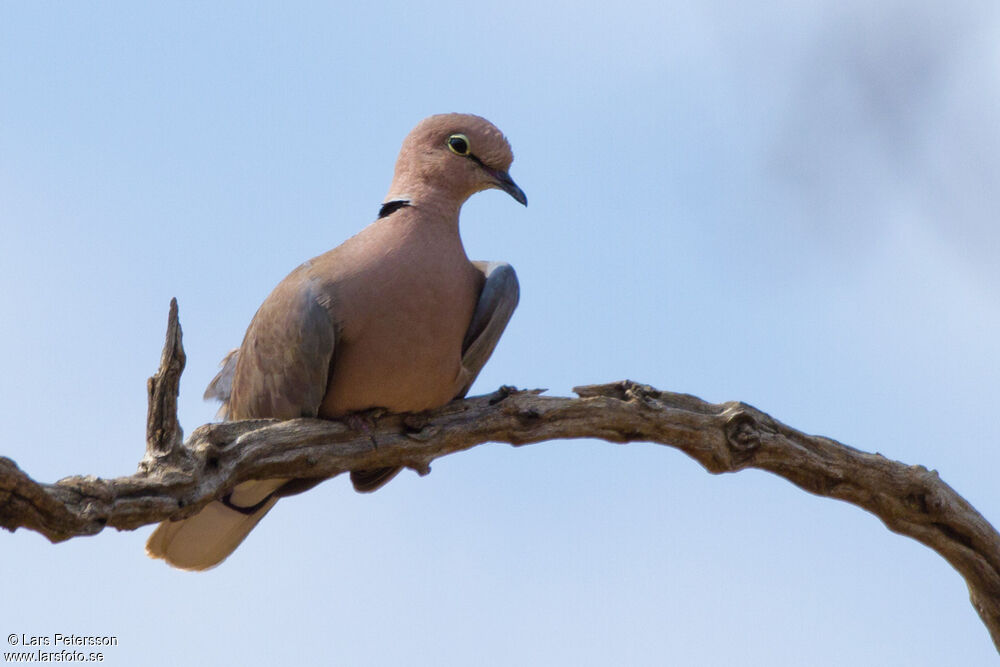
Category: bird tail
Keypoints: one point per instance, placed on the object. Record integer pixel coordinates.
(206, 539)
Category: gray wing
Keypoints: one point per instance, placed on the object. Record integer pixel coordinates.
(496, 304)
(281, 369)
(284, 362)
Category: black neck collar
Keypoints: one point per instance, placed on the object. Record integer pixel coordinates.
(390, 207)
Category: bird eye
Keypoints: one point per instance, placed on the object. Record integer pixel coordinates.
(459, 144)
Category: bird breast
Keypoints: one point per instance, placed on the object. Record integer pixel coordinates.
(402, 315)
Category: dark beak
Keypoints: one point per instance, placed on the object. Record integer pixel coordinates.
(507, 184)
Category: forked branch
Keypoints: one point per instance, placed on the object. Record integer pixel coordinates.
(176, 478)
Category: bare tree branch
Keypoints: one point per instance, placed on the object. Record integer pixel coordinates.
(176, 480)
(164, 435)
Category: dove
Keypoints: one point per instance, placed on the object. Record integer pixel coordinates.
(396, 318)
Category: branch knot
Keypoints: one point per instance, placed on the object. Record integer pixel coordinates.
(743, 433)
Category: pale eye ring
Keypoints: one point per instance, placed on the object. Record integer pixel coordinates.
(459, 144)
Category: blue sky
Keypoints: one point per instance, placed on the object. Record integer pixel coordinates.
(792, 204)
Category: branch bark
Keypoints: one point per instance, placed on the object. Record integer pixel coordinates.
(177, 479)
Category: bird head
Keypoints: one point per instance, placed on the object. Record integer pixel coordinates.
(454, 155)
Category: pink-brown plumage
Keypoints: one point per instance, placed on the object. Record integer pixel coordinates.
(382, 321)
